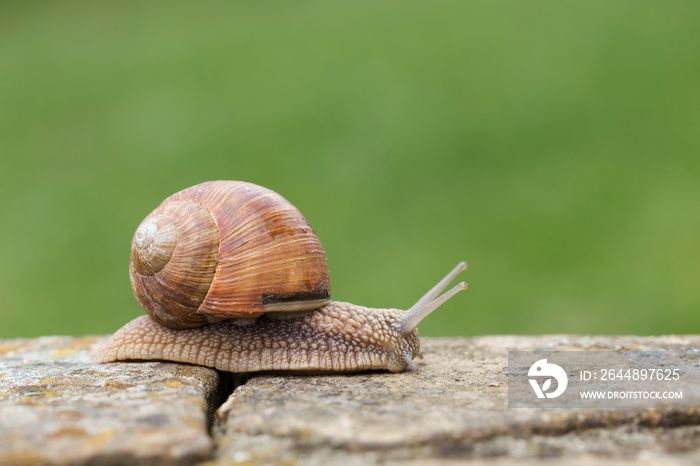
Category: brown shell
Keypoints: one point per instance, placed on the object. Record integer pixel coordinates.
(226, 249)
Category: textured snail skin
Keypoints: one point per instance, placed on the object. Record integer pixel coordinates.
(338, 337)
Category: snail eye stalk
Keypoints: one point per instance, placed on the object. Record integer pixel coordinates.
(430, 301)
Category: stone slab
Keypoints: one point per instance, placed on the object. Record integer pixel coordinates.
(58, 408)
(454, 410)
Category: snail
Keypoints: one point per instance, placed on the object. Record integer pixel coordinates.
(233, 277)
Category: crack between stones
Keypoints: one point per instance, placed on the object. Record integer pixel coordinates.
(228, 382)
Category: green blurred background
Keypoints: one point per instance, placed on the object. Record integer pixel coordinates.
(555, 146)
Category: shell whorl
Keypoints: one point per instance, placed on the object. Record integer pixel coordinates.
(174, 255)
(153, 244)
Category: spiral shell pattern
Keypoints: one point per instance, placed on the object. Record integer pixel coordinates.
(226, 249)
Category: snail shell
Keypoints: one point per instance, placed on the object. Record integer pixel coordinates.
(226, 249)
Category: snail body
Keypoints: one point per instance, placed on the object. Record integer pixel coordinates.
(221, 251)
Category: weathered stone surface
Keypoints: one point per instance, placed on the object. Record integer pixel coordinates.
(58, 408)
(453, 410)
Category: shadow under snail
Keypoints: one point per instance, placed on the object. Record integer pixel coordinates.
(233, 277)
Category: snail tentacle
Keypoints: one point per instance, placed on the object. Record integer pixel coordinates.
(428, 303)
(410, 363)
(441, 285)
